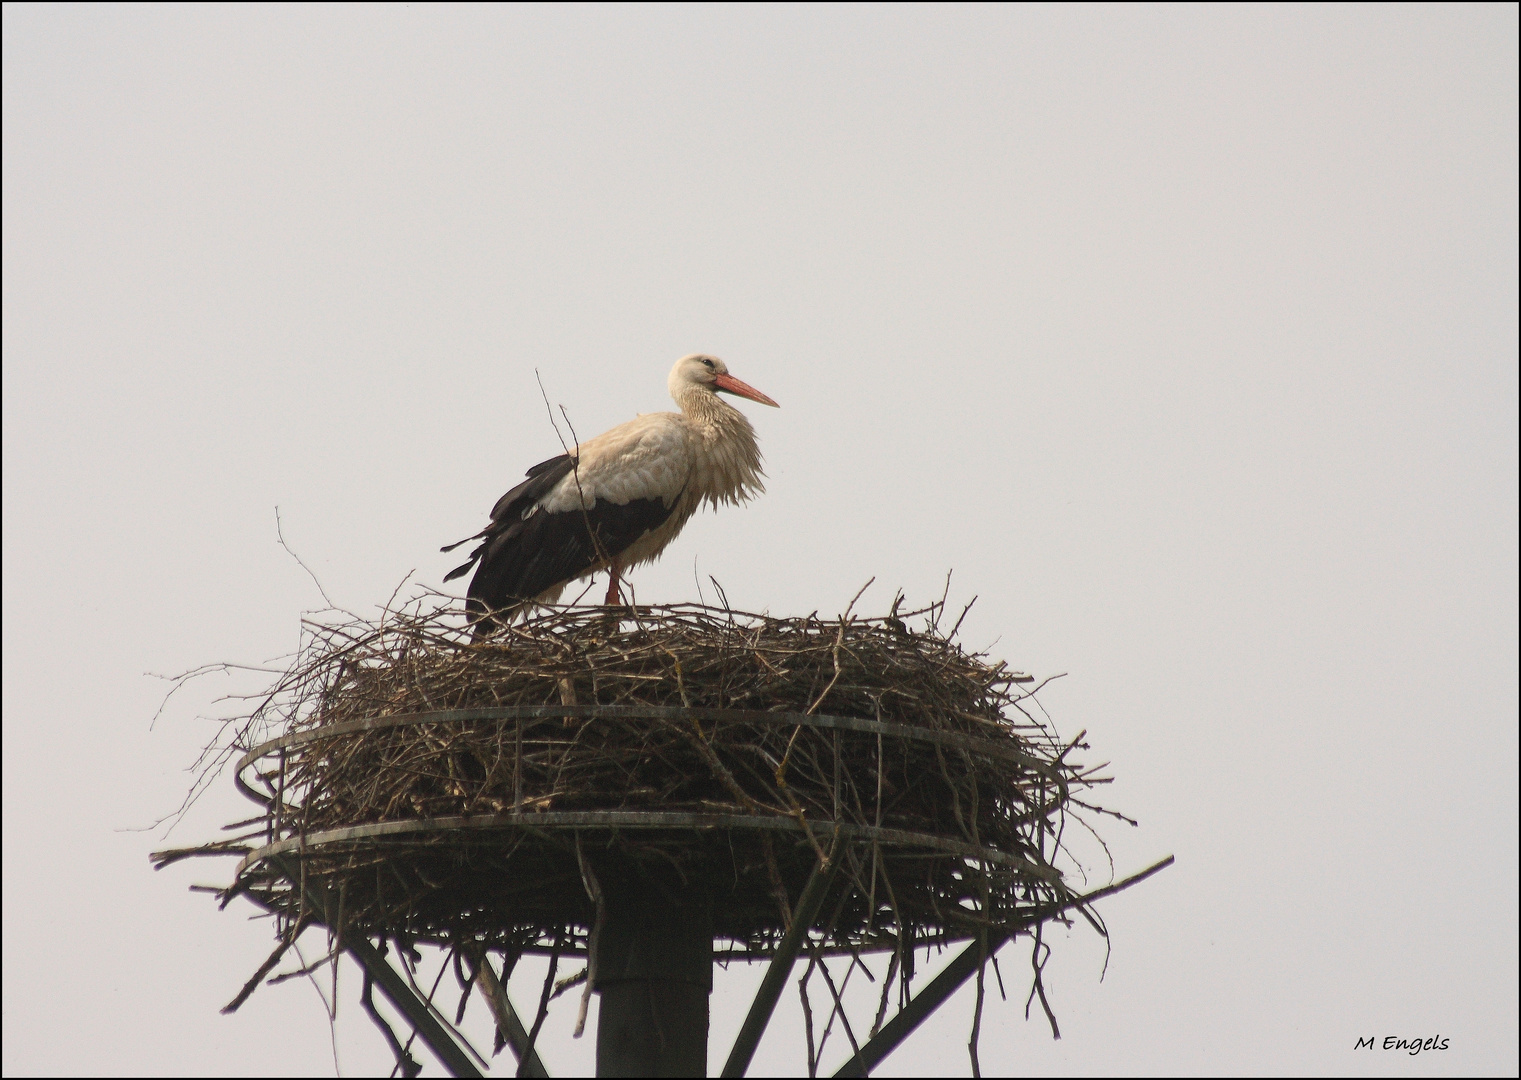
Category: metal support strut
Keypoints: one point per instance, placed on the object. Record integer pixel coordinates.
(395, 989)
(761, 1008)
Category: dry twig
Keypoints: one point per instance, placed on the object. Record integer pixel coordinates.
(391, 786)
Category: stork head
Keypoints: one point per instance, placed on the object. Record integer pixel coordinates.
(709, 373)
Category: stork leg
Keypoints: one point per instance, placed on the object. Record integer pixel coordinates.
(613, 595)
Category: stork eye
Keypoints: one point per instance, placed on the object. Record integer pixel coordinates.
(708, 363)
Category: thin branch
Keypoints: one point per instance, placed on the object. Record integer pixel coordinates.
(280, 534)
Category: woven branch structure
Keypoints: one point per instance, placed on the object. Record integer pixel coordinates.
(468, 794)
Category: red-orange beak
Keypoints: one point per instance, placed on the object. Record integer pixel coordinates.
(730, 385)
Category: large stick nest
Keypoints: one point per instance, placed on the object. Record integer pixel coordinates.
(948, 829)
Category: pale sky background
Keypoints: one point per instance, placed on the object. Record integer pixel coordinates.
(1187, 337)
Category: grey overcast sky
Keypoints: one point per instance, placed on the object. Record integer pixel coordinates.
(1185, 336)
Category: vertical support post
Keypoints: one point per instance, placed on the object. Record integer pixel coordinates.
(654, 965)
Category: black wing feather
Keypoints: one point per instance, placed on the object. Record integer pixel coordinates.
(521, 557)
(541, 481)
(550, 549)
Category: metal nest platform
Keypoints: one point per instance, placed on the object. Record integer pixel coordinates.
(868, 786)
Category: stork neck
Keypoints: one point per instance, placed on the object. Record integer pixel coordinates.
(727, 465)
(712, 415)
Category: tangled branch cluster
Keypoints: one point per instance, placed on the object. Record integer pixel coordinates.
(953, 827)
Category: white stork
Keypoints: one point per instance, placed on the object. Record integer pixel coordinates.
(616, 500)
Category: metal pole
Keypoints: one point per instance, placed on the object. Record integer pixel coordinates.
(761, 1008)
(654, 970)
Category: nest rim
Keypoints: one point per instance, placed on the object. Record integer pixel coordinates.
(470, 832)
